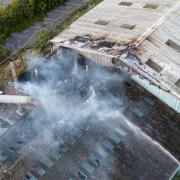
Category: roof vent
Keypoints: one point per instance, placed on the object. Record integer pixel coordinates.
(154, 66)
(178, 83)
(123, 3)
(102, 22)
(173, 45)
(151, 6)
(127, 26)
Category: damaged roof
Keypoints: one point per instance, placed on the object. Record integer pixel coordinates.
(118, 21)
(142, 34)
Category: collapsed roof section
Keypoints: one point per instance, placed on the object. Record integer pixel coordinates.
(141, 36)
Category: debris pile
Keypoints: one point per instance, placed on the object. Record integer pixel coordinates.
(125, 52)
(99, 44)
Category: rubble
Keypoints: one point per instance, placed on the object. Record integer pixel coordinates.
(118, 52)
(100, 45)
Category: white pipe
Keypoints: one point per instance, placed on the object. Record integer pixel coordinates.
(14, 99)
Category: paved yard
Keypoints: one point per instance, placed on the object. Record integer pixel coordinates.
(4, 1)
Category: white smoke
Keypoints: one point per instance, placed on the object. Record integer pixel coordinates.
(67, 95)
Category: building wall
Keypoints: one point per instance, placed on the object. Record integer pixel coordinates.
(166, 97)
(104, 60)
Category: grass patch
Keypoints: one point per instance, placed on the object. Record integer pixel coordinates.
(4, 52)
(43, 37)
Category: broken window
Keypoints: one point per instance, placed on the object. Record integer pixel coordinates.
(114, 61)
(178, 83)
(151, 6)
(173, 45)
(154, 66)
(102, 22)
(125, 3)
(27, 176)
(127, 26)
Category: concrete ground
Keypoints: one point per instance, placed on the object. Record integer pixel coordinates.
(4, 2)
(20, 39)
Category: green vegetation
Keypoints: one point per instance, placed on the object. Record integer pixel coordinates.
(42, 43)
(20, 14)
(3, 52)
(42, 40)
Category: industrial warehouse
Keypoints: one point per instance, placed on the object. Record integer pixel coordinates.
(104, 104)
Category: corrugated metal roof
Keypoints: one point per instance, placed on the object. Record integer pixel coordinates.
(162, 46)
(117, 15)
(142, 34)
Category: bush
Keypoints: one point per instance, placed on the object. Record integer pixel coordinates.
(42, 43)
(3, 53)
(21, 13)
(41, 6)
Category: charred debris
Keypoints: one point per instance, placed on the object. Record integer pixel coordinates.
(124, 56)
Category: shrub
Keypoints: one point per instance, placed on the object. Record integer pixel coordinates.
(42, 40)
(3, 52)
(20, 13)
